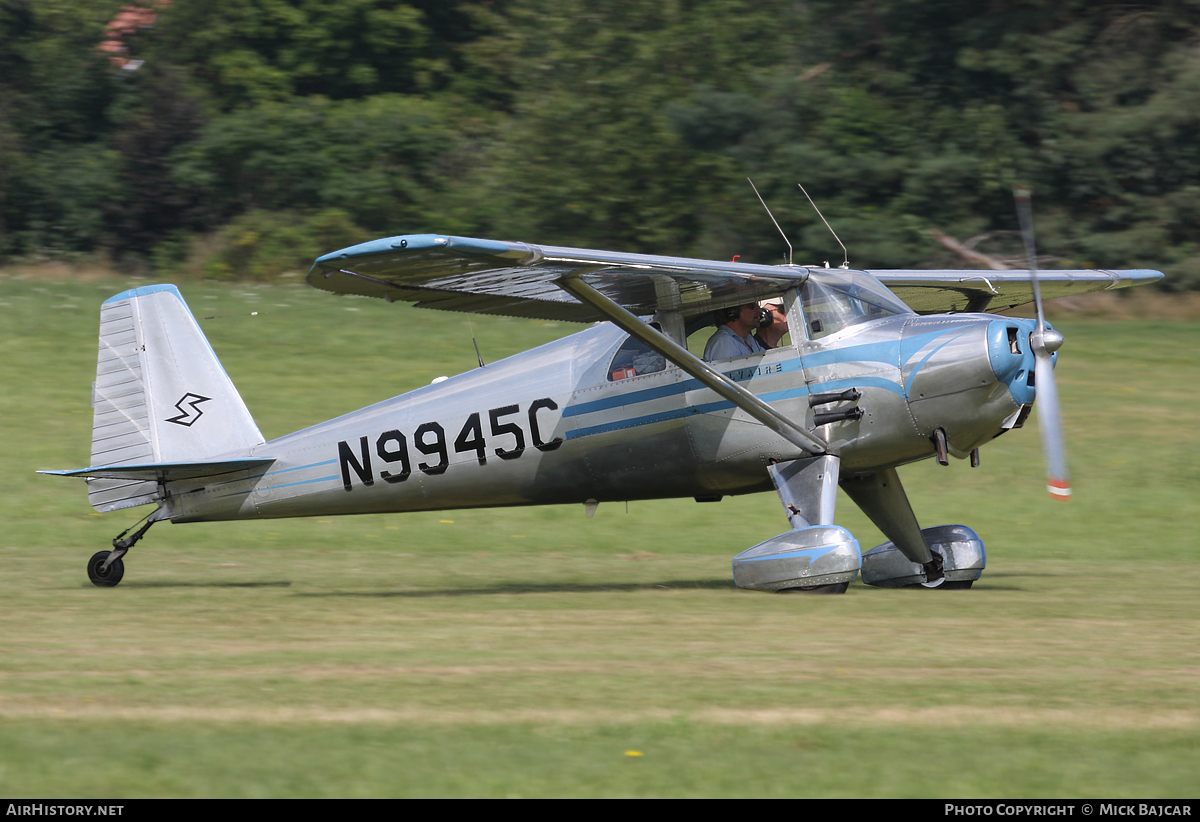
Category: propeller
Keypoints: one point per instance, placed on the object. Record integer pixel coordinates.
(1044, 341)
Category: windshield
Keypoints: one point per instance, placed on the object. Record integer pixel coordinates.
(838, 298)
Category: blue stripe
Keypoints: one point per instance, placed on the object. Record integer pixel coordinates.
(273, 487)
(663, 416)
(631, 398)
(631, 422)
(811, 553)
(299, 468)
(913, 374)
(892, 352)
(911, 345)
(724, 405)
(304, 482)
(855, 382)
(885, 352)
(647, 394)
(143, 291)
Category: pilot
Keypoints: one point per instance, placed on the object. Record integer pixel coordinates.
(733, 337)
(772, 332)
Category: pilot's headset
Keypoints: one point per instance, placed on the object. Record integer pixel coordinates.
(762, 316)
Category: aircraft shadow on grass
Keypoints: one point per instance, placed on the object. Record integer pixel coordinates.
(569, 588)
(279, 584)
(538, 588)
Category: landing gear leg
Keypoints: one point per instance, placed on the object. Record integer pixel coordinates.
(946, 556)
(816, 556)
(105, 568)
(882, 498)
(934, 573)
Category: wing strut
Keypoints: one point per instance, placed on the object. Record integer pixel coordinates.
(696, 367)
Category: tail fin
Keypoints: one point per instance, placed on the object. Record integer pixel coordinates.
(160, 395)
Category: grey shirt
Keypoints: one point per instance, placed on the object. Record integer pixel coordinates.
(726, 343)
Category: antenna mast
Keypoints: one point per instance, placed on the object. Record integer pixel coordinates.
(474, 341)
(772, 216)
(845, 254)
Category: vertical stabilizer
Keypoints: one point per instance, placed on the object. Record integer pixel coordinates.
(160, 395)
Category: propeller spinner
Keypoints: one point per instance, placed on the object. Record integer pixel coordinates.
(1045, 341)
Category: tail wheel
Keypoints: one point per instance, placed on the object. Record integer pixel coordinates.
(104, 577)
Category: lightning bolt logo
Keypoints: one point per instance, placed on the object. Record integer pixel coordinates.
(188, 415)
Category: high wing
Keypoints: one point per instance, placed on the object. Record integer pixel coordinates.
(516, 279)
(942, 291)
(520, 280)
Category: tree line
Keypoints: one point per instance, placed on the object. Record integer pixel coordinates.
(245, 138)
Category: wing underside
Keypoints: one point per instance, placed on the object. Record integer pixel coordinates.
(515, 279)
(521, 280)
(939, 292)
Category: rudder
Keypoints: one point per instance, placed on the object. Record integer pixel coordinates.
(160, 394)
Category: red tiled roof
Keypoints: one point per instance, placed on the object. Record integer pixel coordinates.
(128, 21)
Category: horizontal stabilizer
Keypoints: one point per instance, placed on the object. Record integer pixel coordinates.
(168, 471)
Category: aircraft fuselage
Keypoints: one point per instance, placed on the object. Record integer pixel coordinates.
(550, 426)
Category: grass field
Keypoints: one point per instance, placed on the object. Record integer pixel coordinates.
(535, 652)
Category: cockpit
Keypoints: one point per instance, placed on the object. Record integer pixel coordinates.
(830, 300)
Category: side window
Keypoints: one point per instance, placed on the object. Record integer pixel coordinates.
(821, 311)
(634, 358)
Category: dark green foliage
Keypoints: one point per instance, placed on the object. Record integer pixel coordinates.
(615, 124)
(160, 117)
(250, 51)
(57, 167)
(915, 116)
(261, 244)
(376, 158)
(589, 155)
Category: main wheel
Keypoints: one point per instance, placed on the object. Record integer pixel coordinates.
(105, 578)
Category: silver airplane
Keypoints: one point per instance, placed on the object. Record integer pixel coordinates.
(883, 368)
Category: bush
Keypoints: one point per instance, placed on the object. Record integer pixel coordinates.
(262, 245)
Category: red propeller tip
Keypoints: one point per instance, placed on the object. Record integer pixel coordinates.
(1059, 489)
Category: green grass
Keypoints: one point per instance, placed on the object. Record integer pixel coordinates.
(527, 652)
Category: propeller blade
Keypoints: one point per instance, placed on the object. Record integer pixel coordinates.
(1045, 342)
(1058, 483)
(1025, 215)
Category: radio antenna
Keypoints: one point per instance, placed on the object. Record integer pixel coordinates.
(772, 216)
(473, 340)
(845, 254)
